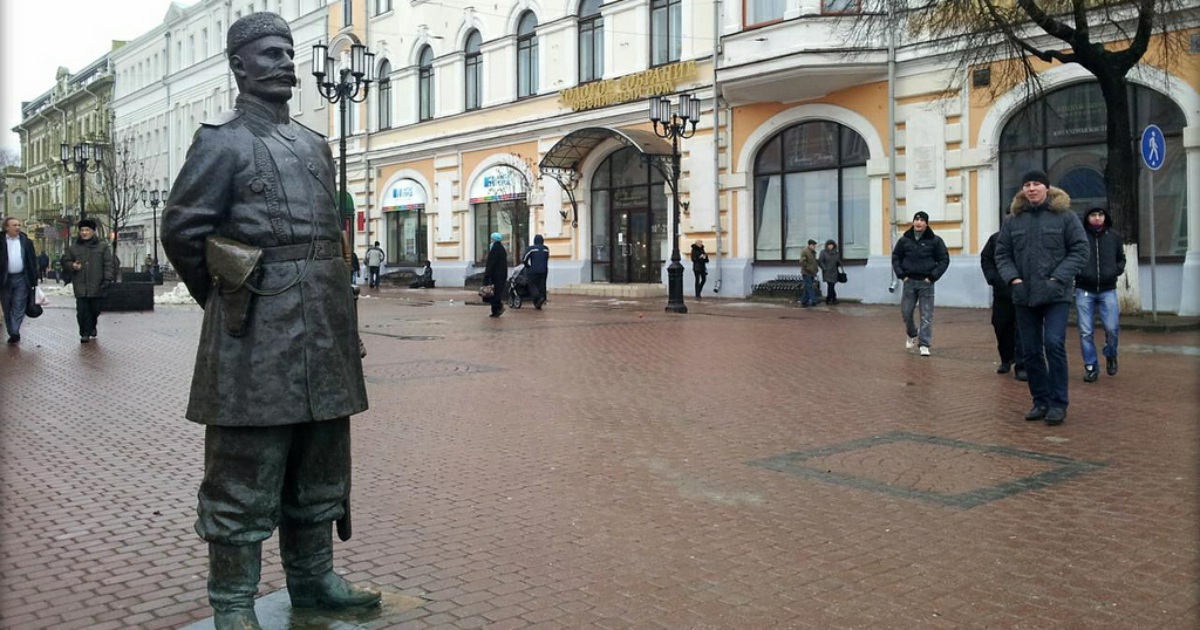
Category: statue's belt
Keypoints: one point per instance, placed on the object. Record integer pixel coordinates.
(321, 249)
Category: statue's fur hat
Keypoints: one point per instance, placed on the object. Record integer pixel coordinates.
(255, 26)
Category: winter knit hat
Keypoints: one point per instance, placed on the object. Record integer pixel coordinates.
(496, 237)
(922, 215)
(1036, 176)
(86, 223)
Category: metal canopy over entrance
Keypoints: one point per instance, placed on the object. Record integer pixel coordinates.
(568, 152)
(562, 160)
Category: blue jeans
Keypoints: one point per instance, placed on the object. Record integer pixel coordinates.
(918, 292)
(809, 297)
(14, 301)
(1042, 332)
(1086, 304)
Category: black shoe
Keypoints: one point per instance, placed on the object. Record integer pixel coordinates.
(1004, 368)
(1090, 373)
(1110, 364)
(1055, 416)
(14, 339)
(1022, 375)
(1037, 413)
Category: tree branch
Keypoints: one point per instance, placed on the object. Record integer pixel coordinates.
(1052, 26)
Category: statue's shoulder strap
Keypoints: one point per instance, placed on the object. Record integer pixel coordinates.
(222, 118)
(304, 126)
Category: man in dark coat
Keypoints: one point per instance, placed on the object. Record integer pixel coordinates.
(276, 384)
(919, 259)
(495, 273)
(1096, 292)
(1004, 314)
(1040, 250)
(93, 269)
(537, 259)
(18, 264)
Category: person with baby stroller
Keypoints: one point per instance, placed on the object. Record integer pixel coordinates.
(537, 265)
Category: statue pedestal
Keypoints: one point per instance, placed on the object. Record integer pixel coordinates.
(275, 613)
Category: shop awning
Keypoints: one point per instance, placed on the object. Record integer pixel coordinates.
(570, 151)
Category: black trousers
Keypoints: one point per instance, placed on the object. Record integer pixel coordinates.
(701, 278)
(830, 292)
(87, 313)
(537, 287)
(254, 476)
(1004, 324)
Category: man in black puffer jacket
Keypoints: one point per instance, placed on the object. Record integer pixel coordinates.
(1040, 250)
(919, 259)
(1096, 290)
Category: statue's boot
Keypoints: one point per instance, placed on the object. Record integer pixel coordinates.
(233, 573)
(307, 552)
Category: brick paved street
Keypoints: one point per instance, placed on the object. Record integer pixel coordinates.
(605, 465)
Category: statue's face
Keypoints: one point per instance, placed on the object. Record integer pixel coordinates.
(264, 68)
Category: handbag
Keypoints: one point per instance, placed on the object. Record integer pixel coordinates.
(842, 279)
(37, 299)
(487, 292)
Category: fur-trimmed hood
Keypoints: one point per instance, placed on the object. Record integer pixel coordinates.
(1057, 200)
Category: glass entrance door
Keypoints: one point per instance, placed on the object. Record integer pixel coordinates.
(632, 261)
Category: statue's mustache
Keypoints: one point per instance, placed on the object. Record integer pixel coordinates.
(281, 76)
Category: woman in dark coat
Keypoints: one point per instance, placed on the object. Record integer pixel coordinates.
(699, 266)
(830, 262)
(495, 273)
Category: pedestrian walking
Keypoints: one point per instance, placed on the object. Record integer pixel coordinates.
(495, 273)
(43, 263)
(919, 259)
(537, 260)
(20, 267)
(93, 270)
(699, 266)
(355, 267)
(1040, 250)
(375, 258)
(808, 274)
(830, 262)
(1004, 314)
(1096, 293)
(278, 369)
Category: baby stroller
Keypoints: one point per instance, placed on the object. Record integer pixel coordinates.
(519, 287)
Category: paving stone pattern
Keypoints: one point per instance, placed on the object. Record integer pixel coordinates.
(600, 464)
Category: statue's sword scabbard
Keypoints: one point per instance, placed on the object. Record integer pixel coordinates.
(343, 524)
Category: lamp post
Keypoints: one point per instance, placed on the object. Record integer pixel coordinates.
(79, 157)
(350, 86)
(675, 125)
(153, 198)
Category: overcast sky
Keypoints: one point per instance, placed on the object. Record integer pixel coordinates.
(39, 36)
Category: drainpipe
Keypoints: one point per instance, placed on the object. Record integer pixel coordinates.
(891, 69)
(717, 136)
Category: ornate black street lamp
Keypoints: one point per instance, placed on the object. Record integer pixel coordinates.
(79, 157)
(351, 86)
(154, 198)
(674, 125)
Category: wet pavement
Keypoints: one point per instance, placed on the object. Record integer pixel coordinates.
(603, 464)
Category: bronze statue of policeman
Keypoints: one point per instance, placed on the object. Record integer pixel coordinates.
(252, 228)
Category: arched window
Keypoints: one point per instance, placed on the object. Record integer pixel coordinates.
(527, 55)
(1063, 133)
(810, 182)
(425, 84)
(474, 71)
(385, 95)
(591, 42)
(666, 36)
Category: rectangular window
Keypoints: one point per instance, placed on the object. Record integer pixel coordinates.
(666, 40)
(347, 13)
(841, 6)
(425, 87)
(407, 232)
(382, 6)
(527, 67)
(591, 50)
(763, 11)
(474, 81)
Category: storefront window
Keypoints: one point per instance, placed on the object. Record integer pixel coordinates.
(810, 182)
(511, 219)
(1063, 133)
(407, 232)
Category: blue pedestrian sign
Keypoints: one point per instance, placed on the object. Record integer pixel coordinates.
(1154, 147)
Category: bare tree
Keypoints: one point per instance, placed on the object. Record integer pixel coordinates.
(1105, 37)
(8, 157)
(123, 175)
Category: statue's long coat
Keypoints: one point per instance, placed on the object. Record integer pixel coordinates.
(298, 359)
